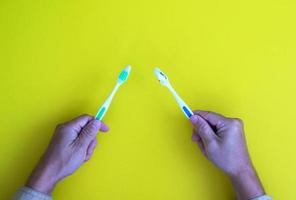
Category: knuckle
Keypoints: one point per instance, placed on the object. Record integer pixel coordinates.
(85, 115)
(92, 127)
(202, 127)
(237, 122)
(90, 131)
(207, 113)
(220, 123)
(212, 146)
(86, 132)
(198, 111)
(60, 127)
(79, 144)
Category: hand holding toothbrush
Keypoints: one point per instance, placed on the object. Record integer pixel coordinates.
(222, 141)
(72, 144)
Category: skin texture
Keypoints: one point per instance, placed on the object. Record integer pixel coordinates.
(72, 144)
(222, 141)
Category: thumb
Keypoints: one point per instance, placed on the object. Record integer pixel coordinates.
(203, 129)
(89, 132)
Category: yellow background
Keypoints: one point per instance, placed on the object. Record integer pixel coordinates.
(60, 59)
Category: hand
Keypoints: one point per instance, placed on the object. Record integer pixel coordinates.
(222, 141)
(72, 144)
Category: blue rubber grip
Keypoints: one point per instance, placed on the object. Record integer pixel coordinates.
(187, 112)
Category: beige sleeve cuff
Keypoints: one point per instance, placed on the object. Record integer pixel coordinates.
(263, 197)
(26, 193)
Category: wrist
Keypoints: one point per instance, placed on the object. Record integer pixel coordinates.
(247, 183)
(43, 179)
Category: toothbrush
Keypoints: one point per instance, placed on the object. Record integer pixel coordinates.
(164, 80)
(121, 79)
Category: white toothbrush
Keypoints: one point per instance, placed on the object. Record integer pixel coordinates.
(163, 79)
(121, 79)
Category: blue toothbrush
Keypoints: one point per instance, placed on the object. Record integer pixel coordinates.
(121, 79)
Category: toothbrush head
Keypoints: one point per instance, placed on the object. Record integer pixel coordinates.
(124, 74)
(162, 78)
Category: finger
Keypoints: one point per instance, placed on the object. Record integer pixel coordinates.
(197, 139)
(203, 129)
(214, 119)
(104, 127)
(201, 147)
(90, 149)
(79, 122)
(89, 132)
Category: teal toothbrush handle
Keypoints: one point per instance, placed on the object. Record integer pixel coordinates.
(101, 113)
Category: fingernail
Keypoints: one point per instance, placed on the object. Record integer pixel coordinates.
(194, 119)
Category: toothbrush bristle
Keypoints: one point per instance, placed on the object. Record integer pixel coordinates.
(163, 74)
(162, 78)
(124, 74)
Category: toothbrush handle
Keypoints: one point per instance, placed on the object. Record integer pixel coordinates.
(102, 111)
(186, 110)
